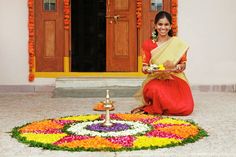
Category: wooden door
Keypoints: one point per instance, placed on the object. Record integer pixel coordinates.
(149, 14)
(121, 36)
(49, 35)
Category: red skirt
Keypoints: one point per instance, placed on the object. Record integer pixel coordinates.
(168, 97)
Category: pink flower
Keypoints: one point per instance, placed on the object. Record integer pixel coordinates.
(126, 141)
(158, 133)
(70, 138)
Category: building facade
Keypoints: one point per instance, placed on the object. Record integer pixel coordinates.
(45, 39)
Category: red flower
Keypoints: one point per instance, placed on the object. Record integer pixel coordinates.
(31, 77)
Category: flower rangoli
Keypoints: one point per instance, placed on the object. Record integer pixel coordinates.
(128, 132)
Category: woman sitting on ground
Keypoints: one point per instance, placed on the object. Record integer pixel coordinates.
(166, 90)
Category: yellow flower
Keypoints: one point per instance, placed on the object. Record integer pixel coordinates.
(170, 121)
(43, 138)
(144, 141)
(82, 117)
(161, 67)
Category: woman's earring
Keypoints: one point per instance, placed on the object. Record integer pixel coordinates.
(154, 35)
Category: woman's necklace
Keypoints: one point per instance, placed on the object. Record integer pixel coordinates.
(159, 43)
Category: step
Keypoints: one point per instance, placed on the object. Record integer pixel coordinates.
(85, 87)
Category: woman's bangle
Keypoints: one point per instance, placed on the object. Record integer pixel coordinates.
(145, 64)
(184, 62)
(145, 68)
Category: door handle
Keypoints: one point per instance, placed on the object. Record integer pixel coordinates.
(115, 17)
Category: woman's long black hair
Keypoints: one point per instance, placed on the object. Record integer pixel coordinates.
(160, 15)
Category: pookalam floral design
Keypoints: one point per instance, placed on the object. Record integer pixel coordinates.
(128, 132)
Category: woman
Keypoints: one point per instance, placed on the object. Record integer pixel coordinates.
(165, 90)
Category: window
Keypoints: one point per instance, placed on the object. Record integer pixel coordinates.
(156, 5)
(49, 5)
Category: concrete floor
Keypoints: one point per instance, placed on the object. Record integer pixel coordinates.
(215, 112)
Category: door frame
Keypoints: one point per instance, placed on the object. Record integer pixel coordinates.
(173, 5)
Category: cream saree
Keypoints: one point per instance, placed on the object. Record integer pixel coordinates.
(169, 54)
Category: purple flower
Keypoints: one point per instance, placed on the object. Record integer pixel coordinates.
(101, 128)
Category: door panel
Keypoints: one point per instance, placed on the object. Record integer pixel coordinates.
(49, 36)
(121, 35)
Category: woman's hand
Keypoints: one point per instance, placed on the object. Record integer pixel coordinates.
(149, 69)
(146, 69)
(180, 67)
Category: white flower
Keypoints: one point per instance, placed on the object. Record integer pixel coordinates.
(152, 67)
(135, 128)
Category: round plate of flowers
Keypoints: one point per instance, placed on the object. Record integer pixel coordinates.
(127, 132)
